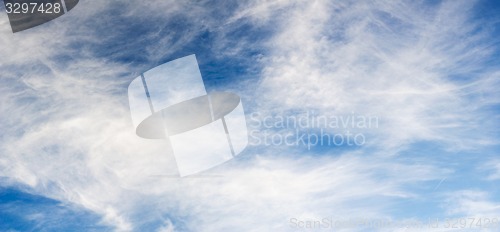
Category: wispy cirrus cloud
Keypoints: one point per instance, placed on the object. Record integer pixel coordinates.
(420, 68)
(417, 67)
(473, 203)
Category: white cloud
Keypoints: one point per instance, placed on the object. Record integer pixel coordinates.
(168, 227)
(67, 133)
(472, 203)
(386, 60)
(492, 167)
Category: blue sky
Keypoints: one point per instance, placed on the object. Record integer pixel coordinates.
(428, 70)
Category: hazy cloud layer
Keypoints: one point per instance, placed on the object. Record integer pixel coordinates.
(423, 70)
